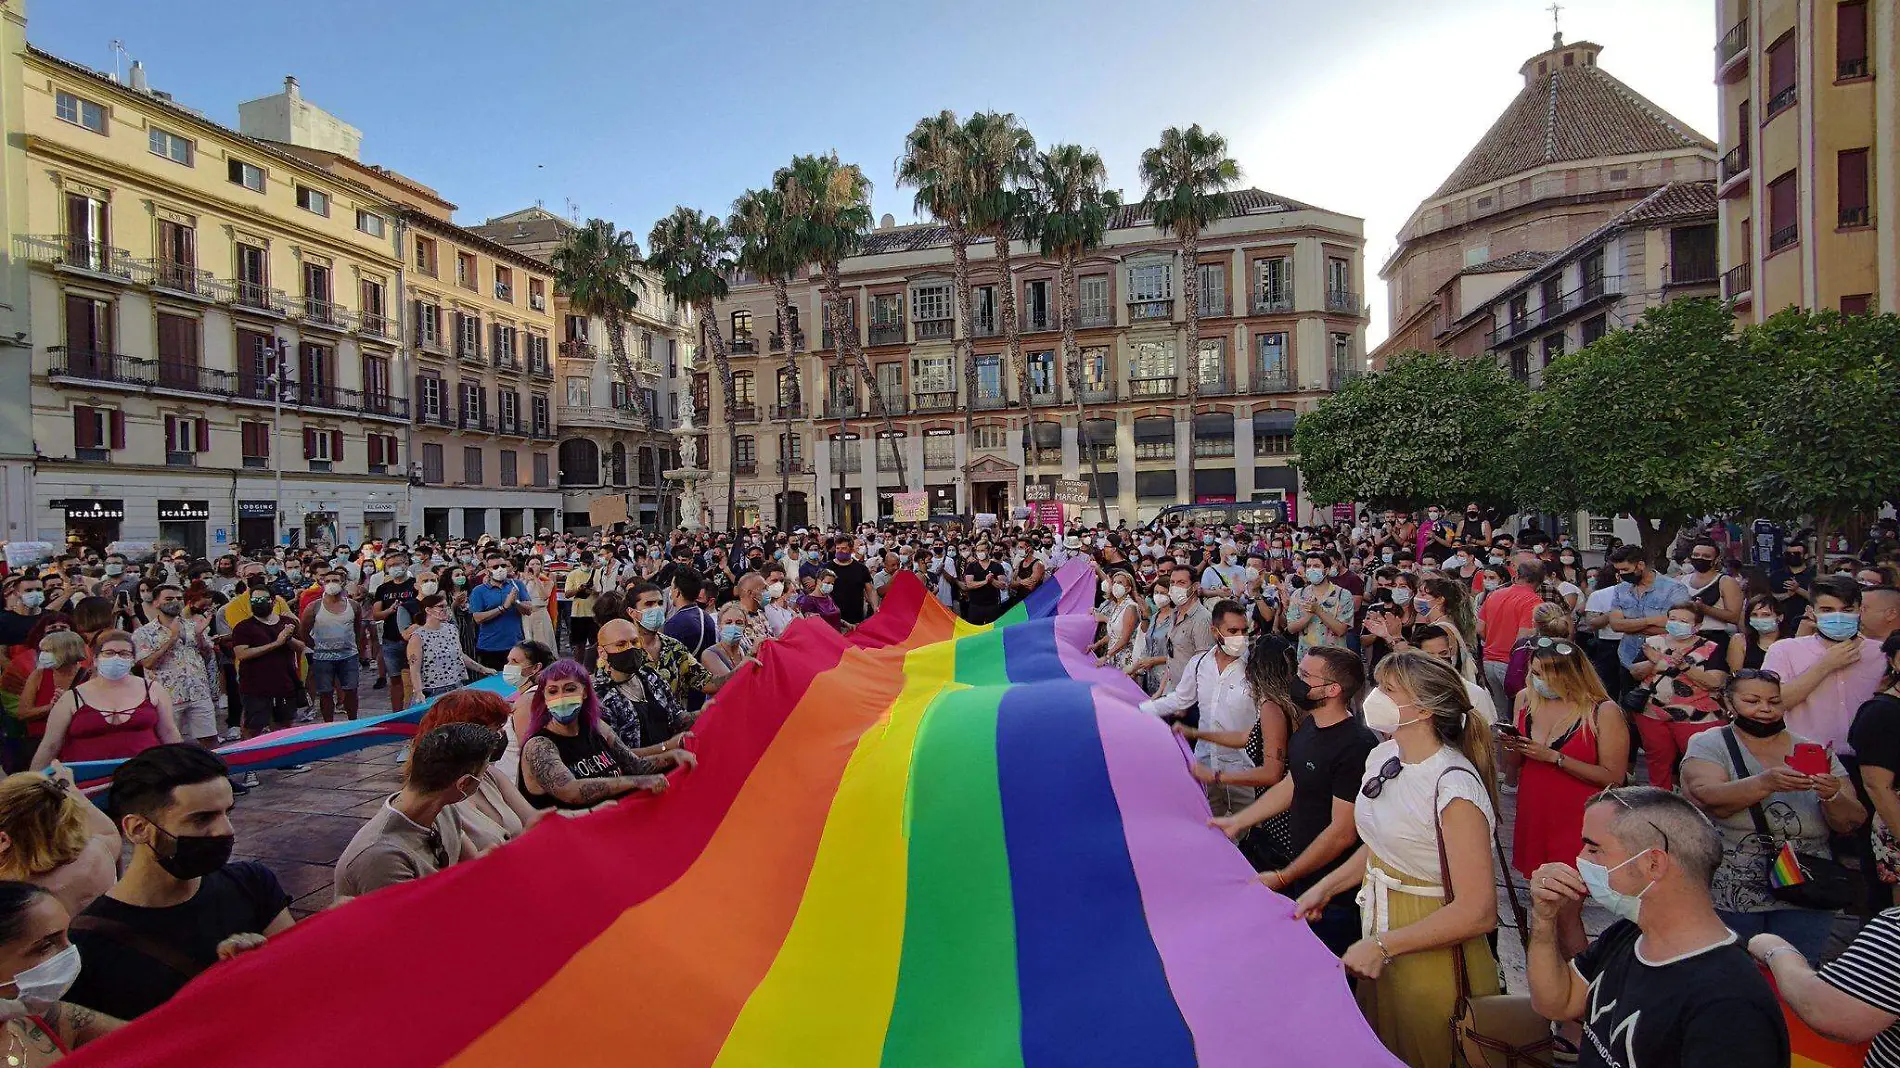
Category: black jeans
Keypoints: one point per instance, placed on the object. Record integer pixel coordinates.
(493, 661)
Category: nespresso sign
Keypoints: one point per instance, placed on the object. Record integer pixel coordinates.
(183, 511)
(93, 508)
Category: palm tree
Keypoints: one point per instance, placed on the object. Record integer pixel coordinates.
(594, 269)
(767, 248)
(1187, 177)
(1001, 165)
(1072, 215)
(831, 203)
(692, 253)
(935, 162)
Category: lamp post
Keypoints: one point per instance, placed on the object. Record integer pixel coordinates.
(277, 376)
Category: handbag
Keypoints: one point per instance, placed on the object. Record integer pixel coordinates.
(1492, 1030)
(1826, 884)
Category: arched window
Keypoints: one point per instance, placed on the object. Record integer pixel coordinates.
(1214, 434)
(1154, 438)
(1273, 431)
(580, 463)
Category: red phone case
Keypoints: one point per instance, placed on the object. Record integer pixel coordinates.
(1809, 758)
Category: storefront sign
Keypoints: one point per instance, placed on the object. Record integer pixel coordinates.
(183, 511)
(91, 508)
(257, 510)
(379, 508)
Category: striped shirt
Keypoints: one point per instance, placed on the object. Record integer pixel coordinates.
(1869, 970)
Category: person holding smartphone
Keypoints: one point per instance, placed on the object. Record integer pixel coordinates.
(1800, 790)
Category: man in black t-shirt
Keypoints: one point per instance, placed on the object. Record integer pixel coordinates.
(397, 608)
(181, 905)
(984, 580)
(1326, 761)
(1669, 985)
(853, 580)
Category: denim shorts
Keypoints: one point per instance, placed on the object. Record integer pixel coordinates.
(328, 675)
(395, 657)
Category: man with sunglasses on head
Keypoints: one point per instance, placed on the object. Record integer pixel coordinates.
(1669, 985)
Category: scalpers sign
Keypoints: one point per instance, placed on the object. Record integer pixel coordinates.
(1064, 491)
(95, 509)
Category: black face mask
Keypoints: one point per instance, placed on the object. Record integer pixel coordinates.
(1301, 692)
(194, 856)
(625, 660)
(1701, 565)
(1794, 560)
(1755, 728)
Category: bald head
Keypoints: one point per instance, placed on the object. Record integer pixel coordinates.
(1879, 612)
(617, 634)
(750, 590)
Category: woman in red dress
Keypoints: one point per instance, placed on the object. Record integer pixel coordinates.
(1573, 741)
(112, 715)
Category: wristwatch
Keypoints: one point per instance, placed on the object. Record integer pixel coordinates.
(1560, 762)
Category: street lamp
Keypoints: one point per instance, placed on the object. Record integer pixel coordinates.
(278, 378)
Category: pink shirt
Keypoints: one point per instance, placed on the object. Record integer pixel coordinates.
(1829, 710)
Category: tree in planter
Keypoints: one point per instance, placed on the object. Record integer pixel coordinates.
(595, 270)
(1644, 422)
(1072, 213)
(692, 253)
(1187, 177)
(1819, 443)
(768, 247)
(1431, 427)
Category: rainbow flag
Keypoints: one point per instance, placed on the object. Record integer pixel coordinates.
(1786, 870)
(928, 844)
(1809, 1050)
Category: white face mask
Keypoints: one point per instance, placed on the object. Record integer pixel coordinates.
(1385, 715)
(1161, 599)
(42, 985)
(1233, 644)
(1119, 590)
(1178, 595)
(333, 589)
(774, 591)
(426, 588)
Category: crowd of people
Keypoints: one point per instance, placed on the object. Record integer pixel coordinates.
(1374, 709)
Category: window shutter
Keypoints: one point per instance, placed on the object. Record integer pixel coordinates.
(85, 427)
(118, 429)
(389, 449)
(1851, 176)
(416, 401)
(336, 445)
(171, 432)
(309, 443)
(204, 435)
(375, 449)
(77, 217)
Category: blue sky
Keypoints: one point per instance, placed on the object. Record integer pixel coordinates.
(626, 109)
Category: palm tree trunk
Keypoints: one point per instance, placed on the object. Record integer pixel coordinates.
(623, 367)
(1191, 294)
(1072, 358)
(721, 360)
(853, 349)
(1012, 330)
(966, 342)
(781, 300)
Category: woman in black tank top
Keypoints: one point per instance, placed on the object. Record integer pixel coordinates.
(571, 759)
(1750, 645)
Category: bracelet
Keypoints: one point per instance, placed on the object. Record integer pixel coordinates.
(1769, 960)
(1379, 940)
(1217, 774)
(1560, 762)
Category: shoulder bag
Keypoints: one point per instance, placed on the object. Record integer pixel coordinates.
(1826, 885)
(1492, 1030)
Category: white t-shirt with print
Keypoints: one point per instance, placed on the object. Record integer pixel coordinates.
(1400, 824)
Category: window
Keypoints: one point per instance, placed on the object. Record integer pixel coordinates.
(930, 302)
(540, 469)
(1692, 254)
(1273, 284)
(316, 283)
(1782, 62)
(178, 351)
(741, 325)
(1858, 304)
(1042, 373)
(465, 269)
(742, 390)
(472, 465)
(673, 356)
(1271, 373)
(1211, 368)
(1342, 350)
(80, 112)
(88, 232)
(97, 430)
(537, 294)
(254, 441)
(1273, 432)
(1092, 298)
(1213, 289)
(936, 374)
(313, 200)
(88, 326)
(1850, 40)
(989, 379)
(504, 337)
(1098, 439)
(983, 309)
(887, 309)
(1553, 347)
(170, 145)
(504, 284)
(1520, 310)
(1338, 275)
(432, 464)
(1521, 364)
(744, 451)
(1154, 438)
(538, 407)
(322, 446)
(1551, 296)
(1153, 359)
(185, 437)
(508, 475)
(1151, 281)
(577, 390)
(375, 378)
(576, 328)
(248, 175)
(177, 254)
(1097, 378)
(940, 448)
(1213, 434)
(370, 223)
(619, 396)
(791, 447)
(473, 397)
(1850, 170)
(425, 255)
(1594, 328)
(431, 397)
(1784, 228)
(1036, 313)
(316, 375)
(468, 335)
(990, 437)
(428, 323)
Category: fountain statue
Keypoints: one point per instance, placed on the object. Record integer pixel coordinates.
(689, 474)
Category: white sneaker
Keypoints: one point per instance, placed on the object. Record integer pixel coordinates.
(230, 734)
(248, 780)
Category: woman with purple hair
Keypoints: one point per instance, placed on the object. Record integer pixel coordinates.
(571, 759)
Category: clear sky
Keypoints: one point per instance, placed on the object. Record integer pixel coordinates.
(627, 108)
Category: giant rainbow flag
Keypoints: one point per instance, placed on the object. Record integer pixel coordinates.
(928, 844)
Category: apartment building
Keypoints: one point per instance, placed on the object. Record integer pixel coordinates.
(1282, 324)
(481, 322)
(607, 449)
(1810, 172)
(210, 321)
(1573, 149)
(16, 366)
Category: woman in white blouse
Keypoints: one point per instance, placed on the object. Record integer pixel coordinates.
(1429, 793)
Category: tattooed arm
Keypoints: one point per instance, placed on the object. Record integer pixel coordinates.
(77, 1025)
(631, 763)
(541, 764)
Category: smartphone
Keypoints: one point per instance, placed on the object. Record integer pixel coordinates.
(1508, 730)
(1810, 758)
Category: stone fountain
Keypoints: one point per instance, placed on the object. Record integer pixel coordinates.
(688, 474)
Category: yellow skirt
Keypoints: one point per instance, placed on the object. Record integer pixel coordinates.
(1411, 1004)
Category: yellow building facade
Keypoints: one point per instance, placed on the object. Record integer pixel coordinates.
(1809, 183)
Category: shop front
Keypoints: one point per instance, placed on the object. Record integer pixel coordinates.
(320, 526)
(379, 521)
(257, 525)
(93, 522)
(181, 524)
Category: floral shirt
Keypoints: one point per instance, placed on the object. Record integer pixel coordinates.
(182, 671)
(650, 706)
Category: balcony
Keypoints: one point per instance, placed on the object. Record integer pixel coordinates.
(380, 326)
(990, 401)
(439, 417)
(507, 361)
(790, 467)
(827, 341)
(1205, 448)
(894, 404)
(798, 341)
(1215, 387)
(433, 346)
(1549, 308)
(1152, 387)
(745, 413)
(94, 258)
(1043, 398)
(336, 398)
(985, 326)
(541, 432)
(1212, 307)
(788, 411)
(936, 329)
(257, 297)
(179, 278)
(1780, 102)
(1343, 300)
(1271, 380)
(745, 346)
(1154, 450)
(539, 367)
(511, 426)
(1140, 310)
(1513, 326)
(1784, 237)
(1099, 451)
(1102, 395)
(1337, 377)
(1734, 173)
(1731, 52)
(1036, 322)
(745, 467)
(1273, 301)
(1738, 284)
(1050, 456)
(887, 333)
(1097, 316)
(1699, 271)
(578, 349)
(937, 401)
(1851, 68)
(843, 408)
(481, 422)
(1855, 217)
(88, 367)
(469, 351)
(1272, 444)
(327, 315)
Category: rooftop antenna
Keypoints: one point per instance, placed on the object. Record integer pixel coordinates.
(1556, 28)
(119, 55)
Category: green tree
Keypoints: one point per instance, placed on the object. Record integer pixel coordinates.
(594, 269)
(1001, 156)
(936, 162)
(1072, 213)
(1820, 445)
(1187, 177)
(692, 253)
(1643, 423)
(1431, 427)
(768, 247)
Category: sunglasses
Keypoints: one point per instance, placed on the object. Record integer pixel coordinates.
(1557, 646)
(1614, 794)
(1764, 674)
(1376, 785)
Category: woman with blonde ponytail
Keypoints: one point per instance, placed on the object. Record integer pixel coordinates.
(1425, 815)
